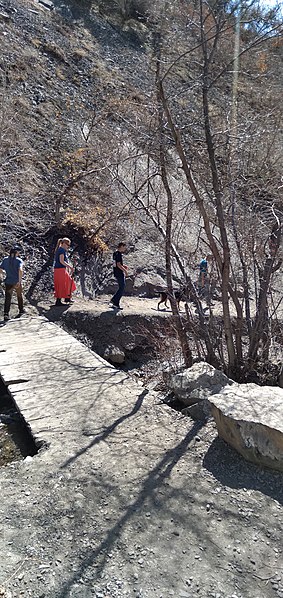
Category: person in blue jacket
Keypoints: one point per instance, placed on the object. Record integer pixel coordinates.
(204, 273)
(12, 265)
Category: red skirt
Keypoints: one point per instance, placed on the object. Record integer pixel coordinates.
(64, 284)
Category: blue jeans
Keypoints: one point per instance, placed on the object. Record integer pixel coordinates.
(122, 283)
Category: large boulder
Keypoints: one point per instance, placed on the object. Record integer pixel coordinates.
(250, 418)
(141, 284)
(197, 383)
(148, 284)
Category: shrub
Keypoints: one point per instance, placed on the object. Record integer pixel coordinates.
(128, 9)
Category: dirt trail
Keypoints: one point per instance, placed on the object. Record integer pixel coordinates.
(130, 498)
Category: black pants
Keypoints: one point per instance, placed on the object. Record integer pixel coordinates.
(9, 288)
(122, 283)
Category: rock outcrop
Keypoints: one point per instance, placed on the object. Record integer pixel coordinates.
(250, 418)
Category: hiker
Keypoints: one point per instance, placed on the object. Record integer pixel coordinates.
(12, 265)
(203, 273)
(120, 273)
(64, 284)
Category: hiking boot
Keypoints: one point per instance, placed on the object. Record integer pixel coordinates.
(68, 300)
(59, 303)
(6, 317)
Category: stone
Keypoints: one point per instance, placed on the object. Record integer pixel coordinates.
(199, 411)
(148, 284)
(47, 4)
(114, 354)
(4, 16)
(250, 418)
(141, 284)
(197, 383)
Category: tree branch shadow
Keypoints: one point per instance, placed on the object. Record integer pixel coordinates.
(44, 268)
(153, 481)
(105, 433)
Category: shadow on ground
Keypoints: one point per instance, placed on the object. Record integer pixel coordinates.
(233, 471)
(151, 484)
(108, 430)
(53, 313)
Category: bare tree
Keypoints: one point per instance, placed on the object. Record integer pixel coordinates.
(215, 151)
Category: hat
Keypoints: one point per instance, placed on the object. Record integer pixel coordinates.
(16, 248)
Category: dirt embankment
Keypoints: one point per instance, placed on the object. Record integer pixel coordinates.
(139, 330)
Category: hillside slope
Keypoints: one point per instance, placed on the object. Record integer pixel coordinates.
(78, 130)
(57, 76)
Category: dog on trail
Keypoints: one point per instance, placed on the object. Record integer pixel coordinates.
(179, 296)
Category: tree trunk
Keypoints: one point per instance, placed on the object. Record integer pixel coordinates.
(222, 266)
(225, 269)
(186, 351)
(259, 324)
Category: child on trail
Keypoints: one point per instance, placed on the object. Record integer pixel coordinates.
(120, 273)
(64, 284)
(12, 265)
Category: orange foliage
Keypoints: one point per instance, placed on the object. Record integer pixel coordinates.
(261, 62)
(84, 225)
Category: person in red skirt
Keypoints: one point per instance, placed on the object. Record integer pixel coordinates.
(64, 284)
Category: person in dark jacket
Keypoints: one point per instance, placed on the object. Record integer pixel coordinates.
(120, 273)
(12, 265)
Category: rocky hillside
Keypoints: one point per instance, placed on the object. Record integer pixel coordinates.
(78, 131)
(57, 75)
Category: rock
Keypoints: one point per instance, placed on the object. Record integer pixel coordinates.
(250, 419)
(148, 284)
(114, 354)
(142, 284)
(8, 419)
(47, 4)
(199, 411)
(4, 16)
(197, 383)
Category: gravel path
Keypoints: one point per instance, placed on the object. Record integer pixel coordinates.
(129, 498)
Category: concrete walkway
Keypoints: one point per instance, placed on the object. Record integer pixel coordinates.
(115, 503)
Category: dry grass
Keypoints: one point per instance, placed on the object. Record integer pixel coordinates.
(54, 50)
(80, 54)
(59, 74)
(35, 42)
(88, 45)
(22, 104)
